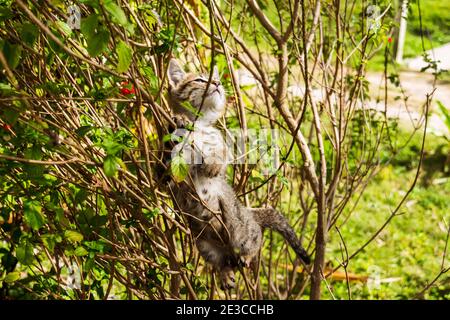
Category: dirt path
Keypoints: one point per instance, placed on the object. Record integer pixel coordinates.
(415, 86)
(441, 55)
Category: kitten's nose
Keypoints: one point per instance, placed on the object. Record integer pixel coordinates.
(216, 82)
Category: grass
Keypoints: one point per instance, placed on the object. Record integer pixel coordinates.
(435, 26)
(408, 253)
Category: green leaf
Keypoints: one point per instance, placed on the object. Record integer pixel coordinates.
(5, 14)
(89, 25)
(98, 221)
(118, 15)
(445, 113)
(29, 33)
(33, 215)
(151, 77)
(49, 241)
(125, 54)
(190, 266)
(83, 130)
(116, 12)
(113, 144)
(13, 53)
(150, 14)
(73, 236)
(12, 277)
(97, 36)
(89, 264)
(150, 214)
(284, 180)
(6, 89)
(179, 168)
(92, 3)
(80, 252)
(99, 43)
(110, 165)
(64, 27)
(24, 253)
(172, 137)
(34, 153)
(95, 246)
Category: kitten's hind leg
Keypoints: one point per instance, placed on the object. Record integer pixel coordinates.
(222, 260)
(227, 278)
(271, 218)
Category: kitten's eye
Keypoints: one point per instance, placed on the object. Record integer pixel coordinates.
(201, 80)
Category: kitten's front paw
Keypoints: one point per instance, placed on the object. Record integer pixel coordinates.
(181, 121)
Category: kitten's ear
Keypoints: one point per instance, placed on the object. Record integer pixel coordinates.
(216, 73)
(174, 72)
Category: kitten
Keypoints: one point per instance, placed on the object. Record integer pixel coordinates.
(227, 233)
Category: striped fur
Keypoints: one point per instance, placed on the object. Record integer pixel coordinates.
(227, 233)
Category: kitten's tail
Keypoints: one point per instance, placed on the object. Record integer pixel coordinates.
(271, 218)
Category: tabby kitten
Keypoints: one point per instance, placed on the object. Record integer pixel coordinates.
(227, 233)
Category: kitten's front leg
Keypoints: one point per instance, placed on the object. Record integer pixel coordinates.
(211, 170)
(213, 163)
(181, 122)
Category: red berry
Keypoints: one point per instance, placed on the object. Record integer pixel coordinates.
(7, 127)
(126, 88)
(389, 39)
(125, 91)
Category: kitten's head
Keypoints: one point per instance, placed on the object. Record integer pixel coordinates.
(186, 93)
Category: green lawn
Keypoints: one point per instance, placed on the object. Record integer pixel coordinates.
(408, 252)
(435, 26)
(435, 30)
